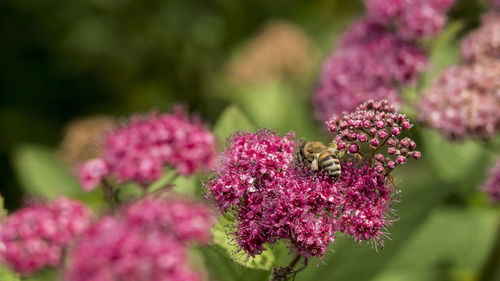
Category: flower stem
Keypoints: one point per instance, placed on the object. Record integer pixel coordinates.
(283, 273)
(110, 194)
(493, 261)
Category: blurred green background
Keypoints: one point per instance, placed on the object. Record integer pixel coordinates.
(239, 64)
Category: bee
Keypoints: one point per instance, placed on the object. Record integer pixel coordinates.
(320, 156)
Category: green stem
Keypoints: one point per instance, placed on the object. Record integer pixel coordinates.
(492, 264)
(283, 273)
(110, 194)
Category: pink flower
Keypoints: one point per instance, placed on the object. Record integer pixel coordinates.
(365, 202)
(370, 61)
(276, 198)
(483, 44)
(35, 236)
(146, 241)
(412, 19)
(140, 150)
(464, 101)
(381, 117)
(250, 164)
(187, 221)
(91, 173)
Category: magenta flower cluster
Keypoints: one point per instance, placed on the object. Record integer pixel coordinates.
(495, 4)
(492, 185)
(483, 44)
(36, 236)
(274, 197)
(464, 101)
(377, 125)
(412, 19)
(139, 150)
(378, 54)
(146, 241)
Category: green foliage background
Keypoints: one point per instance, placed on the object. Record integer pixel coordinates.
(67, 59)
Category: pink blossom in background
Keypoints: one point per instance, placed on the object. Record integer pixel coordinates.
(378, 54)
(492, 185)
(91, 173)
(464, 101)
(412, 19)
(495, 4)
(146, 241)
(187, 221)
(35, 236)
(140, 150)
(483, 44)
(369, 64)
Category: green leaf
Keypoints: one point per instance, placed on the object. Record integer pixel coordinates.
(231, 119)
(463, 163)
(182, 185)
(46, 274)
(7, 275)
(443, 51)
(40, 173)
(264, 261)
(278, 106)
(453, 243)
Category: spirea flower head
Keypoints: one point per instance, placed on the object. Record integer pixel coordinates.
(147, 241)
(365, 202)
(139, 150)
(370, 61)
(492, 185)
(91, 173)
(249, 165)
(35, 236)
(412, 19)
(483, 44)
(378, 125)
(495, 4)
(273, 197)
(186, 220)
(464, 101)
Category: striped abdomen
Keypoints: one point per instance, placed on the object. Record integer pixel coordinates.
(329, 162)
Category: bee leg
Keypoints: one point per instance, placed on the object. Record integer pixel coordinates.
(314, 164)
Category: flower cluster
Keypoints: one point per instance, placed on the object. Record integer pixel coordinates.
(274, 197)
(249, 165)
(492, 185)
(377, 54)
(147, 241)
(370, 61)
(35, 236)
(483, 44)
(413, 19)
(376, 124)
(464, 101)
(365, 202)
(495, 4)
(139, 150)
